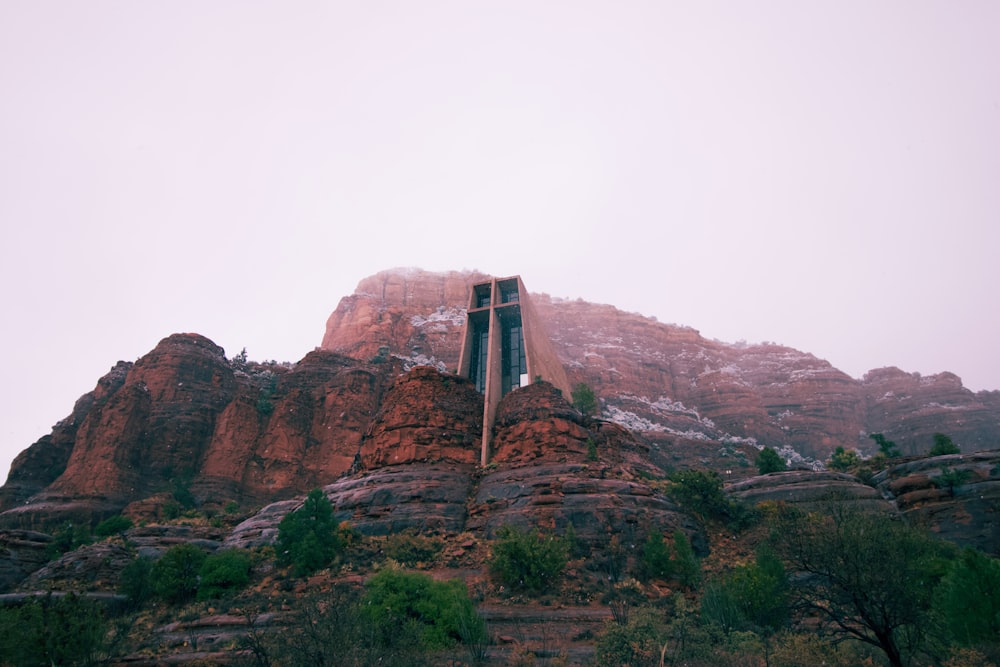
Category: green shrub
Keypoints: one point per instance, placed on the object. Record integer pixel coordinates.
(637, 642)
(114, 525)
(309, 538)
(584, 399)
(700, 492)
(171, 509)
(610, 556)
(770, 461)
(686, 567)
(843, 459)
(441, 611)
(967, 601)
(182, 493)
(411, 549)
(870, 575)
(943, 445)
(223, 572)
(886, 448)
(136, 581)
(752, 597)
(677, 561)
(577, 548)
(68, 537)
(656, 562)
(790, 649)
(528, 561)
(333, 629)
(951, 479)
(64, 630)
(720, 606)
(268, 385)
(175, 576)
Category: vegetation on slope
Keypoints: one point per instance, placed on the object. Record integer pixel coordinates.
(783, 586)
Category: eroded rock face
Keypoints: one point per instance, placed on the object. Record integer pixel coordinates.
(153, 540)
(157, 424)
(909, 408)
(426, 416)
(544, 473)
(44, 461)
(185, 415)
(138, 431)
(956, 496)
(557, 467)
(99, 566)
(553, 496)
(312, 431)
(428, 497)
(92, 567)
(417, 314)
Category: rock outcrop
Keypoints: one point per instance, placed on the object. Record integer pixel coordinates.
(426, 416)
(545, 475)
(42, 463)
(556, 467)
(185, 417)
(909, 408)
(810, 490)
(956, 496)
(414, 313)
(93, 567)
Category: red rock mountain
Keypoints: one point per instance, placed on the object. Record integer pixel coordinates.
(185, 418)
(673, 385)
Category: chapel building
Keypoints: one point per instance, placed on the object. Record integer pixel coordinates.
(505, 347)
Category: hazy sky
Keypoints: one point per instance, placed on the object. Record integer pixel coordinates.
(825, 175)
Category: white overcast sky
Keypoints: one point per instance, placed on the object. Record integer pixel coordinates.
(825, 175)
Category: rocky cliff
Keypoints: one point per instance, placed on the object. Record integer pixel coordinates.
(186, 422)
(673, 385)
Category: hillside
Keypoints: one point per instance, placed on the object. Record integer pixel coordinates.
(187, 446)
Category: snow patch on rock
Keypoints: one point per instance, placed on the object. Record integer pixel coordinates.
(442, 316)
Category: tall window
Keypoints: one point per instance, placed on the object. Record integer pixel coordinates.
(480, 349)
(513, 361)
